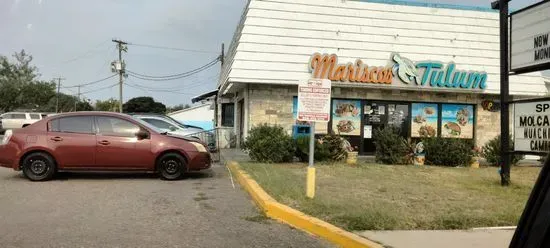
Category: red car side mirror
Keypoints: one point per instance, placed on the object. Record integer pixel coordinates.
(142, 134)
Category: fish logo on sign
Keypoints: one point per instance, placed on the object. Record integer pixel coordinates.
(405, 69)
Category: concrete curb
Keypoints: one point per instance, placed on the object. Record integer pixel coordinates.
(295, 218)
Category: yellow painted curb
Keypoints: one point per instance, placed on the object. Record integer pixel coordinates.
(295, 218)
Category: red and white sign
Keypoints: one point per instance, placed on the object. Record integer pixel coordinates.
(314, 100)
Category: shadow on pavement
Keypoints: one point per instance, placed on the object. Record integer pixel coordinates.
(63, 176)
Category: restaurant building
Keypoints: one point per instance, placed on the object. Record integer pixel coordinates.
(428, 69)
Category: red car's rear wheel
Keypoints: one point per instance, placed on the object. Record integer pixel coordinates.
(171, 166)
(38, 166)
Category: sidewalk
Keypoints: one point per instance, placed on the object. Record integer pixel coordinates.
(438, 239)
(233, 154)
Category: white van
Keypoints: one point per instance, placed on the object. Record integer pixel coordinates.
(13, 120)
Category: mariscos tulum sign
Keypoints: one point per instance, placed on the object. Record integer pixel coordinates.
(400, 70)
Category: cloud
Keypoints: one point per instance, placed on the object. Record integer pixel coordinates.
(14, 5)
(39, 2)
(448, 113)
(29, 26)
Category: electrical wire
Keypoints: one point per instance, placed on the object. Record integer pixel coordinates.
(173, 48)
(193, 83)
(90, 83)
(99, 89)
(174, 76)
(94, 49)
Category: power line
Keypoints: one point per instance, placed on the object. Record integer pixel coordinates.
(164, 91)
(90, 83)
(174, 76)
(173, 48)
(94, 49)
(99, 89)
(193, 83)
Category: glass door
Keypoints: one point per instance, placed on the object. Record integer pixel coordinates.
(374, 117)
(378, 115)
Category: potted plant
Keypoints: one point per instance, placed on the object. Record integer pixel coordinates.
(476, 156)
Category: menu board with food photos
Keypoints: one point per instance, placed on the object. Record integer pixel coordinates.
(457, 121)
(424, 119)
(346, 117)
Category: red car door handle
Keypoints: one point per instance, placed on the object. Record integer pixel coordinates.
(57, 139)
(104, 142)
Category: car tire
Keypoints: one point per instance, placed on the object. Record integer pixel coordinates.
(171, 166)
(38, 166)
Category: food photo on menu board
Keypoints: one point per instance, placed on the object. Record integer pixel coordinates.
(424, 120)
(457, 121)
(346, 118)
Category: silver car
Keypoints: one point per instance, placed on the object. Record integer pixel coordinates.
(167, 124)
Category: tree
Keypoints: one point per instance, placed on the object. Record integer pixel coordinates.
(107, 105)
(19, 86)
(177, 108)
(66, 104)
(143, 104)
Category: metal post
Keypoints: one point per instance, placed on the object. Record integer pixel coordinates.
(311, 143)
(504, 96)
(310, 184)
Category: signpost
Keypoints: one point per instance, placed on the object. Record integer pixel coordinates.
(530, 38)
(532, 127)
(313, 106)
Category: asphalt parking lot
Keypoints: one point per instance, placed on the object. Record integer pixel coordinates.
(121, 210)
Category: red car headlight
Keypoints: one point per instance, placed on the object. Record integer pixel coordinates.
(200, 147)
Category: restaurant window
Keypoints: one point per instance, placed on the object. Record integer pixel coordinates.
(228, 114)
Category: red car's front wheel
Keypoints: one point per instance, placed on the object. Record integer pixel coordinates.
(38, 166)
(171, 166)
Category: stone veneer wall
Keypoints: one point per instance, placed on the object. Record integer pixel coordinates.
(273, 104)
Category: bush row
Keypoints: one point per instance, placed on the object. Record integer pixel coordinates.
(392, 148)
(271, 144)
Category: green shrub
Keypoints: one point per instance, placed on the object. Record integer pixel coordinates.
(328, 148)
(491, 152)
(390, 146)
(336, 149)
(448, 152)
(269, 144)
(321, 152)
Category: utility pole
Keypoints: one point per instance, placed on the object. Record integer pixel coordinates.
(121, 67)
(77, 98)
(216, 98)
(57, 95)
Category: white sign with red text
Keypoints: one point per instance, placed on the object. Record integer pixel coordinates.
(314, 100)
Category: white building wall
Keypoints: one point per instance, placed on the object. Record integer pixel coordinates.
(202, 116)
(276, 39)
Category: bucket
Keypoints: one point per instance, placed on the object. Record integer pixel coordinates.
(352, 158)
(419, 159)
(475, 163)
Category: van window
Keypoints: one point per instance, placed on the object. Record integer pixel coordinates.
(35, 116)
(18, 116)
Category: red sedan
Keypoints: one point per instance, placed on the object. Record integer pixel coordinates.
(99, 141)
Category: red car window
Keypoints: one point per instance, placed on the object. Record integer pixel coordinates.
(111, 126)
(73, 124)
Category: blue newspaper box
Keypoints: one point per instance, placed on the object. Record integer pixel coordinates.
(300, 131)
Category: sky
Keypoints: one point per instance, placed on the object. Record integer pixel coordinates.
(72, 39)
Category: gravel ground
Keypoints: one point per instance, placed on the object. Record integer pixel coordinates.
(116, 210)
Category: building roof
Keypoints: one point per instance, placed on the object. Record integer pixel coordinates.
(434, 5)
(204, 96)
(190, 108)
